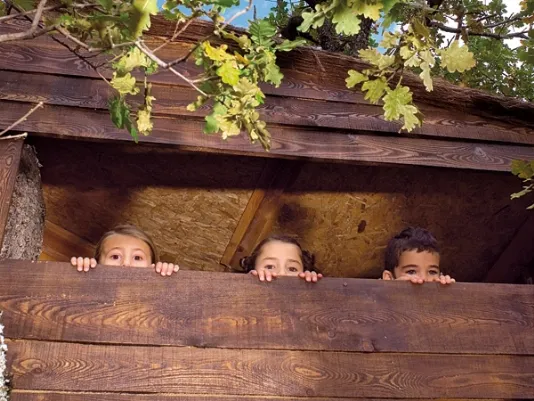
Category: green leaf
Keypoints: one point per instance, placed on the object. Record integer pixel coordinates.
(375, 89)
(261, 32)
(229, 73)
(212, 125)
(140, 17)
(120, 115)
(425, 76)
(368, 9)
(25, 4)
(124, 84)
(311, 20)
(523, 169)
(132, 59)
(273, 74)
(346, 21)
(372, 56)
(355, 78)
(398, 104)
(107, 4)
(457, 58)
(288, 45)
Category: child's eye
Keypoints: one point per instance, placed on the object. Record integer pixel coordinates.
(411, 272)
(293, 269)
(115, 257)
(138, 258)
(269, 267)
(433, 272)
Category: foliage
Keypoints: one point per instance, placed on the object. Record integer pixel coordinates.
(525, 171)
(454, 38)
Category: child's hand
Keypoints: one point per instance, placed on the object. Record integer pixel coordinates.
(310, 277)
(446, 279)
(264, 275)
(83, 264)
(165, 269)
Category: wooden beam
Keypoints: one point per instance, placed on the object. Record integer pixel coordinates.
(41, 365)
(518, 255)
(261, 212)
(60, 245)
(10, 153)
(29, 395)
(83, 124)
(52, 301)
(295, 111)
(325, 69)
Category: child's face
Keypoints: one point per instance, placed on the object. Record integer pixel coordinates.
(123, 250)
(281, 258)
(424, 265)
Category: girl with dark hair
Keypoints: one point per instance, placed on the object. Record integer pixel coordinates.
(278, 256)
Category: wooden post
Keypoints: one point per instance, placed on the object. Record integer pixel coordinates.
(10, 151)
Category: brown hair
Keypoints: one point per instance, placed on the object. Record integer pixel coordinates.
(248, 263)
(130, 231)
(409, 239)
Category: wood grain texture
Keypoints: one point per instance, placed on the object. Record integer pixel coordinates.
(68, 122)
(94, 93)
(346, 214)
(261, 213)
(325, 69)
(60, 244)
(518, 255)
(28, 395)
(10, 153)
(38, 365)
(189, 204)
(52, 301)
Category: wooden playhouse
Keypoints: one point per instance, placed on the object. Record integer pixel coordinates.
(338, 177)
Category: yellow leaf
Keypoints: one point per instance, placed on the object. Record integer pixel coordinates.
(425, 76)
(375, 89)
(124, 84)
(457, 58)
(355, 78)
(216, 53)
(144, 124)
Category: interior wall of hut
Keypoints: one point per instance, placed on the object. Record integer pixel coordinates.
(191, 204)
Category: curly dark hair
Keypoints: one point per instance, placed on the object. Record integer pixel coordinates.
(409, 239)
(248, 263)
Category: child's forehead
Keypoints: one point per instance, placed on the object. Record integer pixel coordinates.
(419, 256)
(122, 240)
(279, 248)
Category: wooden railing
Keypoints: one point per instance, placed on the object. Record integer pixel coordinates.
(127, 334)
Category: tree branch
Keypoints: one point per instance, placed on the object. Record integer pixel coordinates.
(30, 32)
(166, 66)
(468, 32)
(22, 119)
(175, 35)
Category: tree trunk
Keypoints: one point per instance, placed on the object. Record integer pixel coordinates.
(23, 238)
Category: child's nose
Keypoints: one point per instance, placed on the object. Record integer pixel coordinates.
(127, 261)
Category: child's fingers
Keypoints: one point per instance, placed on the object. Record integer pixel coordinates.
(176, 268)
(164, 267)
(79, 264)
(86, 264)
(416, 280)
(158, 267)
(74, 261)
(170, 269)
(93, 263)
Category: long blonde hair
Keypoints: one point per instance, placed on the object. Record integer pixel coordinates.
(130, 231)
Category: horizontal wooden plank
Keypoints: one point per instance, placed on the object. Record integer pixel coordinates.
(52, 301)
(94, 93)
(328, 70)
(39, 365)
(68, 122)
(20, 395)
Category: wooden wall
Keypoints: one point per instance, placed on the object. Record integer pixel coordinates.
(128, 334)
(191, 205)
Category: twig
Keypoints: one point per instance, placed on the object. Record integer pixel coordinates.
(22, 119)
(166, 66)
(175, 35)
(30, 32)
(90, 49)
(484, 34)
(25, 13)
(238, 14)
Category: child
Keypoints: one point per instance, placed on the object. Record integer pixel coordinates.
(278, 256)
(413, 255)
(125, 245)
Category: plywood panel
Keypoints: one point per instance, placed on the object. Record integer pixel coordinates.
(190, 204)
(346, 215)
(51, 301)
